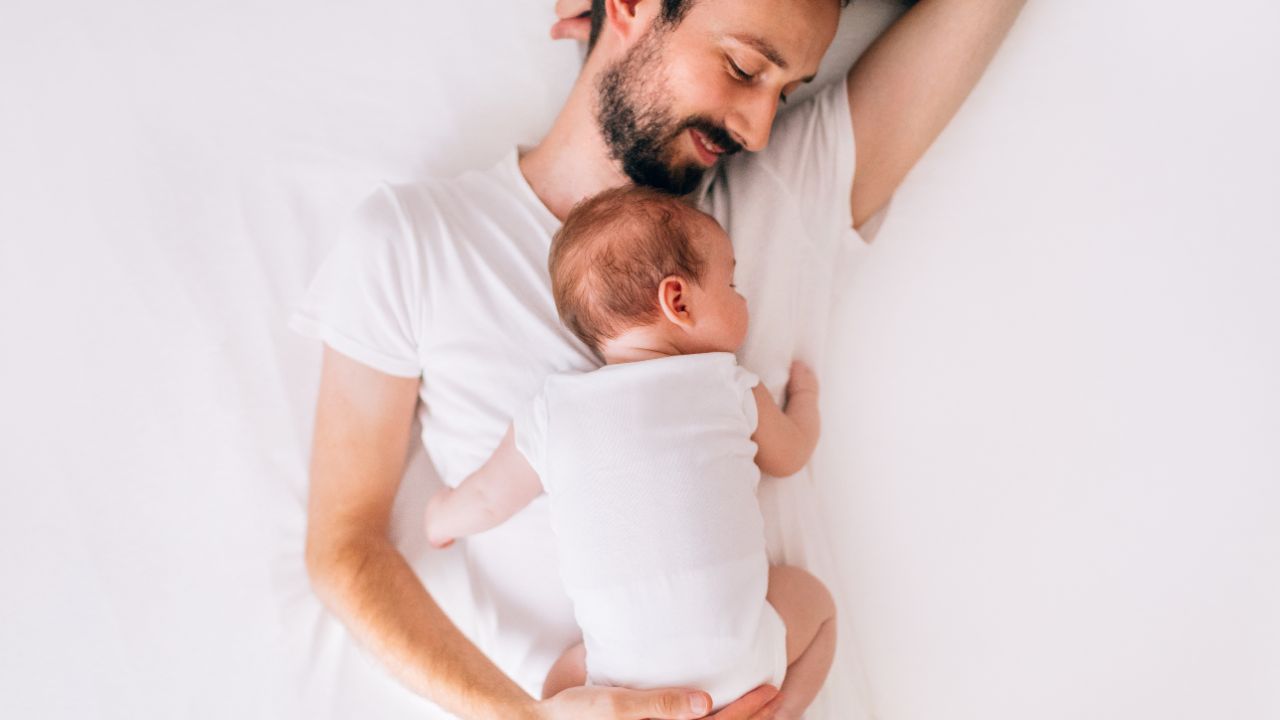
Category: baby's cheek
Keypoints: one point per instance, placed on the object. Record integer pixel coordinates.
(741, 330)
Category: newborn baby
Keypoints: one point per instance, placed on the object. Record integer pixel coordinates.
(651, 465)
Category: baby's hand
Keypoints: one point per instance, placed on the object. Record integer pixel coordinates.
(431, 522)
(802, 380)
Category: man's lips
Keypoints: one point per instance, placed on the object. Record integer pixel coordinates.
(708, 151)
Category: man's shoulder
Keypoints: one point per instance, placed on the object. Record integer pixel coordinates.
(753, 177)
(475, 202)
(468, 190)
(807, 166)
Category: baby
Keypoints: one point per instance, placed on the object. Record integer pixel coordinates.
(651, 465)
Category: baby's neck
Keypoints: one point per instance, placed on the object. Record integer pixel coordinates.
(639, 344)
(626, 355)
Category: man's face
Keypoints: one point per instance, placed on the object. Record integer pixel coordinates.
(683, 96)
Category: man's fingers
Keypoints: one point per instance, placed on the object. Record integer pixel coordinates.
(572, 29)
(572, 8)
(664, 704)
(770, 711)
(574, 20)
(762, 703)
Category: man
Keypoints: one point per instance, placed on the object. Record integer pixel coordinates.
(439, 292)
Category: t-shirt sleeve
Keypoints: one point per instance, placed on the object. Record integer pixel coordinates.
(811, 152)
(744, 382)
(365, 300)
(530, 427)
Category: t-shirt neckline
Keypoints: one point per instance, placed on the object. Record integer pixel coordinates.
(544, 213)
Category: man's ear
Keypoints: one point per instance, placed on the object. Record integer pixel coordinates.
(675, 301)
(629, 19)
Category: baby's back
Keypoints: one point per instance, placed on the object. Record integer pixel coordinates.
(651, 474)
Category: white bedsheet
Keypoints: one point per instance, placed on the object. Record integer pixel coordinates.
(1051, 467)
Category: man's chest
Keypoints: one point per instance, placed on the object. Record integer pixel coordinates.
(492, 334)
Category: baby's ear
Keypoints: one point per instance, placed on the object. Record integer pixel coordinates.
(673, 299)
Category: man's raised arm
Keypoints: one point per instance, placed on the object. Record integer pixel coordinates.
(909, 84)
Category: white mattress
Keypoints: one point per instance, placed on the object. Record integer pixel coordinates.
(1051, 468)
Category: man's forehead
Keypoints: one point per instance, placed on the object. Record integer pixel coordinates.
(791, 34)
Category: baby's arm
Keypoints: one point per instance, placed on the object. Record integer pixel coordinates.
(787, 439)
(505, 484)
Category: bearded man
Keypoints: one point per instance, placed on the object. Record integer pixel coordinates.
(439, 293)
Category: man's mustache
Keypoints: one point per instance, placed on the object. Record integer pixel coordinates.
(714, 133)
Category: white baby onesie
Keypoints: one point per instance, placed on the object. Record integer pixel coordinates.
(650, 471)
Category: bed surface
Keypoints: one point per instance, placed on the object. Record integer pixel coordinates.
(1053, 378)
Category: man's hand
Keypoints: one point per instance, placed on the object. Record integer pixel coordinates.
(763, 703)
(574, 20)
(607, 703)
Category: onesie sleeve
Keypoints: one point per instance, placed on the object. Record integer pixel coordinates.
(365, 300)
(530, 427)
(744, 382)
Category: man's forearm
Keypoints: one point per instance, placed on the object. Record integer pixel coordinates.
(371, 587)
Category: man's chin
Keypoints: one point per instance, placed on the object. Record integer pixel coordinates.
(692, 179)
(680, 180)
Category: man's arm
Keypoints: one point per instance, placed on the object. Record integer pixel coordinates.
(362, 433)
(785, 440)
(909, 84)
(504, 485)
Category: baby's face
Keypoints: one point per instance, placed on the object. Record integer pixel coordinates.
(720, 311)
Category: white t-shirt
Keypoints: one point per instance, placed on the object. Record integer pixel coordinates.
(650, 473)
(447, 281)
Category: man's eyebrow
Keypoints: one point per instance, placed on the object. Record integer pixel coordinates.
(762, 46)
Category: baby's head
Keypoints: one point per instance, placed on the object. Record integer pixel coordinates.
(635, 265)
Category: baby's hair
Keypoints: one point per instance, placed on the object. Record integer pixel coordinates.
(611, 254)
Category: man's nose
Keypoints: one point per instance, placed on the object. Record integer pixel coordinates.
(753, 122)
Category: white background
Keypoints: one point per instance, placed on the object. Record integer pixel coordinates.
(1053, 411)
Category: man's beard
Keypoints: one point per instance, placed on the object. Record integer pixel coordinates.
(638, 126)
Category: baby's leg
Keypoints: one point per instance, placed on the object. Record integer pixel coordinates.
(809, 613)
(569, 671)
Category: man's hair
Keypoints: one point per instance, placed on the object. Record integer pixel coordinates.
(612, 253)
(673, 11)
